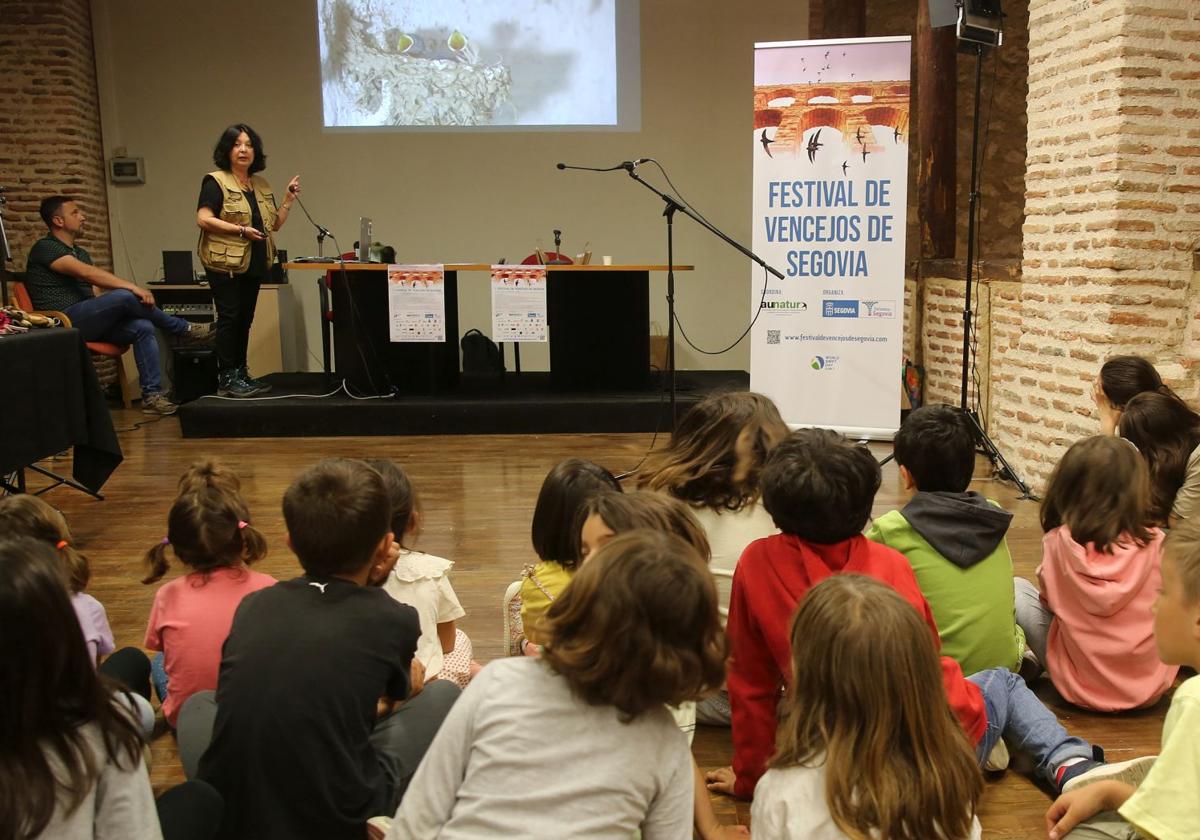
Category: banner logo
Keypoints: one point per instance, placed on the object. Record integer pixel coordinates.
(839, 308)
(879, 308)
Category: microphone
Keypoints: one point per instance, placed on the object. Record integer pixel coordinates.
(628, 165)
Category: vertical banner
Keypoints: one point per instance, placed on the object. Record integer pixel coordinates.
(417, 303)
(830, 199)
(519, 303)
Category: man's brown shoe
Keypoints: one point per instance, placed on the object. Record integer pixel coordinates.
(158, 404)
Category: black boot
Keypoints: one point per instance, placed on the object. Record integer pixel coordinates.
(244, 375)
(231, 384)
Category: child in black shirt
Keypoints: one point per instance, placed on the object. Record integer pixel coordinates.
(303, 745)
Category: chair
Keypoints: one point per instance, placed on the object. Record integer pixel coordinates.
(100, 348)
(514, 629)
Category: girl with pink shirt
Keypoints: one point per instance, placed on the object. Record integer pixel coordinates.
(1091, 626)
(209, 531)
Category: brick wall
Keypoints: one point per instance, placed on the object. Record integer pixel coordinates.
(934, 299)
(50, 120)
(1113, 216)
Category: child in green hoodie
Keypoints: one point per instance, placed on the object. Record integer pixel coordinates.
(954, 540)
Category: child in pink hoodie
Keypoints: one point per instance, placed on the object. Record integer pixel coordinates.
(1091, 626)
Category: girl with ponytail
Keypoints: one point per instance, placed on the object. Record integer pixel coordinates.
(30, 516)
(209, 532)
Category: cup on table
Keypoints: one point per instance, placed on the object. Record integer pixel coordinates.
(606, 260)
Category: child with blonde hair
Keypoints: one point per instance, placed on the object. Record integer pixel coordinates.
(421, 580)
(1091, 627)
(1163, 799)
(209, 532)
(867, 746)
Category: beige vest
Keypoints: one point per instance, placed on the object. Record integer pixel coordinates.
(229, 253)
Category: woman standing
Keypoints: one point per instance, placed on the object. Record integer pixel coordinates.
(237, 214)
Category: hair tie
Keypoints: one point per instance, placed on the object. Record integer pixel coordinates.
(242, 523)
(166, 540)
(61, 545)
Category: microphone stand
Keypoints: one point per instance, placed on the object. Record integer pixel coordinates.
(673, 206)
(322, 231)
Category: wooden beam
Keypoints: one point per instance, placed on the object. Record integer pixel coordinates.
(845, 18)
(937, 133)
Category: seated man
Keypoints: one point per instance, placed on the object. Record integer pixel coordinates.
(60, 275)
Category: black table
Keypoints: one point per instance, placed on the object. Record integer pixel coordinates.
(52, 401)
(598, 318)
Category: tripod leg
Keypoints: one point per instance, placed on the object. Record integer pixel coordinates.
(74, 485)
(1001, 465)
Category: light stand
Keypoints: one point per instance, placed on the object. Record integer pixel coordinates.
(978, 26)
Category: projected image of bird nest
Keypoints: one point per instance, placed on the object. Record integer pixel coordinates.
(379, 73)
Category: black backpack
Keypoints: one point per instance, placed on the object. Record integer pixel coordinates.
(480, 354)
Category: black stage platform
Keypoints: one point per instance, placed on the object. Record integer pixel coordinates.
(524, 404)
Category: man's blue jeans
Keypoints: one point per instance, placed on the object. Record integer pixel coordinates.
(118, 317)
(1015, 712)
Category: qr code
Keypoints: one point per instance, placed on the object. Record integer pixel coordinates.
(772, 336)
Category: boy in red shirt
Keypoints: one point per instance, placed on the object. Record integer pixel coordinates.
(818, 488)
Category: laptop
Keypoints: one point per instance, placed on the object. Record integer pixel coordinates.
(177, 268)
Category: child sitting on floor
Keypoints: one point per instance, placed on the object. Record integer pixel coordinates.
(31, 516)
(555, 534)
(1091, 626)
(209, 532)
(578, 742)
(610, 514)
(303, 745)
(421, 580)
(1166, 801)
(819, 489)
(954, 540)
(862, 662)
(713, 462)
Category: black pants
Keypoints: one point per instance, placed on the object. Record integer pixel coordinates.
(235, 298)
(190, 811)
(131, 668)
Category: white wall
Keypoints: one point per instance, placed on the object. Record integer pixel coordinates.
(173, 75)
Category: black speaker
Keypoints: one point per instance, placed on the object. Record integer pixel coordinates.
(195, 373)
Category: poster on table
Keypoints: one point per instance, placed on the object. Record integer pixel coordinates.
(519, 303)
(416, 303)
(830, 144)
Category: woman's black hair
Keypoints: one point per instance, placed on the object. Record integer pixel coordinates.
(225, 145)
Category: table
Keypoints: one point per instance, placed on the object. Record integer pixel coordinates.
(53, 401)
(598, 318)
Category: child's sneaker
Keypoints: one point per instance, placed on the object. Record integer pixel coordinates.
(997, 759)
(1089, 772)
(377, 827)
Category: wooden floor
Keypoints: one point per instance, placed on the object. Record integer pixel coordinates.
(478, 495)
